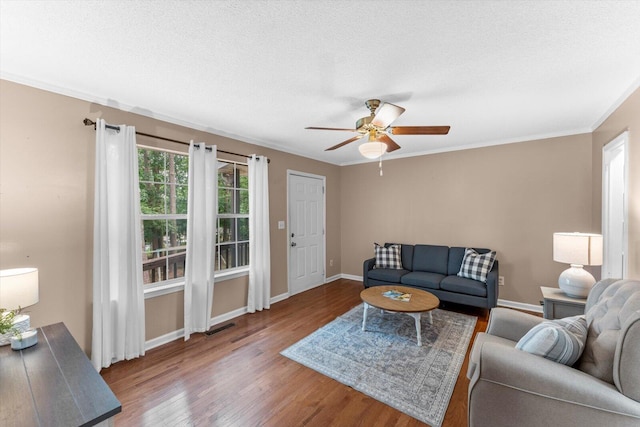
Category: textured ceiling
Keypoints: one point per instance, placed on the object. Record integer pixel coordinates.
(260, 71)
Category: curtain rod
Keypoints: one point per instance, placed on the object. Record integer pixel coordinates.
(89, 122)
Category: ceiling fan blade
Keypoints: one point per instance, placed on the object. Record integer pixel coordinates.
(386, 114)
(317, 128)
(391, 144)
(419, 130)
(355, 138)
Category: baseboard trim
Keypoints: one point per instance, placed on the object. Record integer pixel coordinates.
(351, 277)
(172, 336)
(332, 278)
(520, 305)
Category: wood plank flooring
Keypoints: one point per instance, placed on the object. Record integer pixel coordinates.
(237, 377)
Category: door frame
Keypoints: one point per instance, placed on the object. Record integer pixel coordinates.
(291, 172)
(620, 141)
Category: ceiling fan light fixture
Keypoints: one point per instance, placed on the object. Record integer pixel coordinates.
(372, 150)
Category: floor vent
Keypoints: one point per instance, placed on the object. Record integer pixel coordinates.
(219, 329)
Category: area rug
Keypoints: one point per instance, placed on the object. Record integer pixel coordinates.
(385, 363)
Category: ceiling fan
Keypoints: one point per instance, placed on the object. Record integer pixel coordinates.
(377, 127)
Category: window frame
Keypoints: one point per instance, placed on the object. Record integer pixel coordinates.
(235, 216)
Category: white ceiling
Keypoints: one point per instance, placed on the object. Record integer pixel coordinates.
(260, 71)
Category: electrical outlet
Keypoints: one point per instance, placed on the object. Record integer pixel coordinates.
(500, 280)
(330, 263)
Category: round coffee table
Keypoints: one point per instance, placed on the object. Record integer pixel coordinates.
(420, 302)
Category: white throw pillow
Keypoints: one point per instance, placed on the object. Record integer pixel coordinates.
(560, 340)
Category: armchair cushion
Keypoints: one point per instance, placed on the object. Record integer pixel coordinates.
(559, 340)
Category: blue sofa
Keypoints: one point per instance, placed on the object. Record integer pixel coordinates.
(434, 269)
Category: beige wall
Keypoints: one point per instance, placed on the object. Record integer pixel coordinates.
(626, 117)
(510, 198)
(46, 205)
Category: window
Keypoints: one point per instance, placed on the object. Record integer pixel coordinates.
(232, 242)
(164, 180)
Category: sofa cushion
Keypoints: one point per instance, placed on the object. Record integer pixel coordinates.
(462, 285)
(476, 266)
(388, 257)
(559, 340)
(608, 319)
(422, 279)
(430, 258)
(387, 274)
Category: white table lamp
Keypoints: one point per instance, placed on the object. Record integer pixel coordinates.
(18, 289)
(577, 249)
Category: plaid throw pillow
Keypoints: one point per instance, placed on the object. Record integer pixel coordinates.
(388, 257)
(475, 266)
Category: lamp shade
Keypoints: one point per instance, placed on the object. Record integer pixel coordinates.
(577, 248)
(372, 150)
(18, 288)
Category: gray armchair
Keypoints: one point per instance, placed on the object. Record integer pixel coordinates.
(511, 387)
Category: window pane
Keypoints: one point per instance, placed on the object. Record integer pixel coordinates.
(177, 199)
(242, 176)
(243, 228)
(227, 254)
(177, 233)
(243, 254)
(151, 165)
(243, 201)
(225, 201)
(153, 252)
(225, 176)
(182, 169)
(152, 198)
(153, 232)
(227, 230)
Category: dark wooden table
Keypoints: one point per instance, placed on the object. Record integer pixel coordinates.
(52, 384)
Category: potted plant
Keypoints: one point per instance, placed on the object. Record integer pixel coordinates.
(6, 325)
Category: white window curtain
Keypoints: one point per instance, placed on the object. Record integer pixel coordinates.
(259, 241)
(202, 211)
(118, 297)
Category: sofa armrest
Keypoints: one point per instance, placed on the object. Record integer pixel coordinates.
(511, 324)
(366, 267)
(534, 378)
(492, 285)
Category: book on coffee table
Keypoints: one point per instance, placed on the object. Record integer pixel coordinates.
(397, 295)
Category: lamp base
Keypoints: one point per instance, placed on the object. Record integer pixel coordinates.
(24, 340)
(21, 323)
(576, 282)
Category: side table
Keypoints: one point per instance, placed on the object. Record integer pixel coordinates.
(556, 304)
(53, 383)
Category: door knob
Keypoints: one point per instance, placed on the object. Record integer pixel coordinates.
(293, 244)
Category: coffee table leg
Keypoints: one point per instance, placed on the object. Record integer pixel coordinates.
(430, 318)
(364, 315)
(416, 317)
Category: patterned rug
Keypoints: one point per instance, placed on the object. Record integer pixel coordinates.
(385, 363)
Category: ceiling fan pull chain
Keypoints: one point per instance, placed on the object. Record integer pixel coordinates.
(380, 165)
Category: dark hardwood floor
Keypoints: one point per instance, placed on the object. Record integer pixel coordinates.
(237, 377)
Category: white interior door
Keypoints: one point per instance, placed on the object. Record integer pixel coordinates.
(306, 231)
(614, 212)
